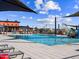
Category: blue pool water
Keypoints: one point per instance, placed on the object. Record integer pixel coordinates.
(47, 39)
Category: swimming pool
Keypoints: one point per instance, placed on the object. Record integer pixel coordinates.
(47, 39)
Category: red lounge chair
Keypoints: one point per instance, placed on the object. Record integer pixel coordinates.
(4, 56)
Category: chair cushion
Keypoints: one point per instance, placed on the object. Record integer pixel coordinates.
(4, 56)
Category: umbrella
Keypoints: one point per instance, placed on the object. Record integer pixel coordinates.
(76, 14)
(14, 5)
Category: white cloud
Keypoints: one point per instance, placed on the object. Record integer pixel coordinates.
(38, 6)
(67, 14)
(39, 2)
(48, 5)
(31, 17)
(68, 19)
(23, 17)
(43, 12)
(49, 20)
(76, 7)
(28, 2)
(46, 21)
(51, 16)
(61, 14)
(13, 15)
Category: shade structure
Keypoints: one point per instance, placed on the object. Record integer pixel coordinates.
(14, 5)
(76, 14)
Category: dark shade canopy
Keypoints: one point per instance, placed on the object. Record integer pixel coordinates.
(72, 25)
(76, 26)
(14, 5)
(74, 15)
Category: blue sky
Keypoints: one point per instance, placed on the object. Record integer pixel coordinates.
(47, 10)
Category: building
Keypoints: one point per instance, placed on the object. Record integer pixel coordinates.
(9, 26)
(13, 26)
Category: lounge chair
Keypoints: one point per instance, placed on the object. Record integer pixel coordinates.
(4, 56)
(28, 58)
(11, 55)
(7, 48)
(3, 45)
(15, 54)
(8, 54)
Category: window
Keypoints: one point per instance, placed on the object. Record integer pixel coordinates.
(7, 24)
(12, 24)
(16, 25)
(3, 24)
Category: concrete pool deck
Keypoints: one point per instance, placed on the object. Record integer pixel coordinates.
(41, 51)
(5, 37)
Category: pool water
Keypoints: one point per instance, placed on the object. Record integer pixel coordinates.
(47, 39)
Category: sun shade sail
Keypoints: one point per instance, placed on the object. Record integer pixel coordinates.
(14, 5)
(74, 15)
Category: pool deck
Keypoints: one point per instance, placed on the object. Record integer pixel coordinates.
(41, 51)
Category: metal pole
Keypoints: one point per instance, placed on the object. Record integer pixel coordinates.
(55, 26)
(76, 27)
(58, 26)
